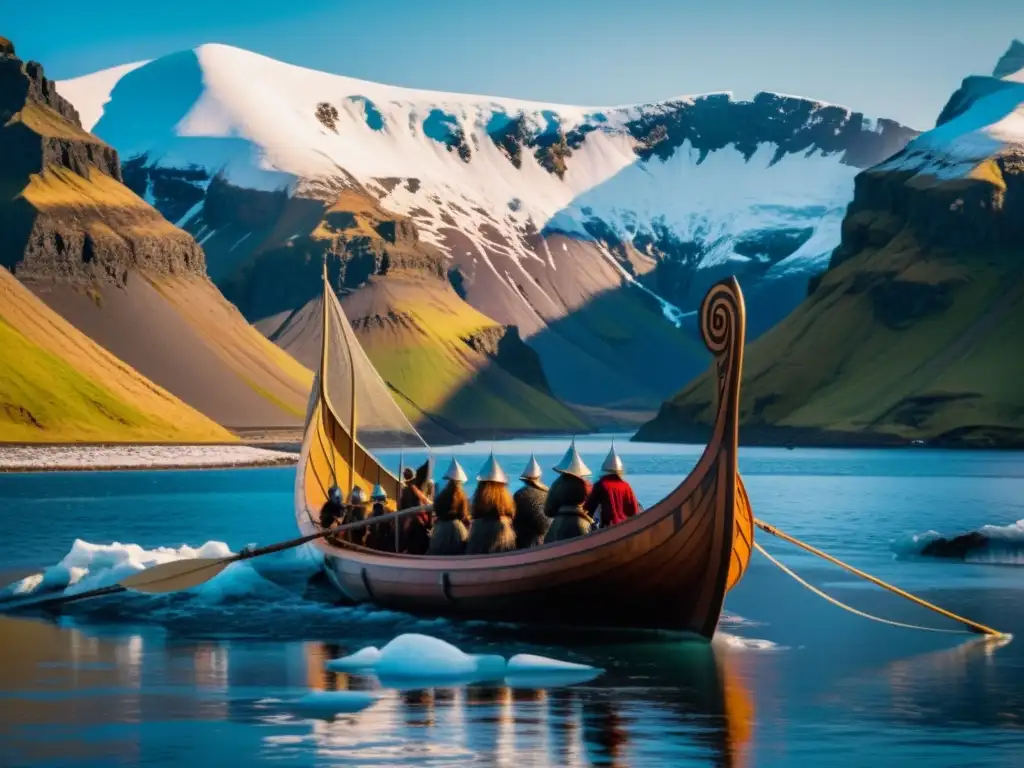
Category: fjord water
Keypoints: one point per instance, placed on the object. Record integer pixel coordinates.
(206, 678)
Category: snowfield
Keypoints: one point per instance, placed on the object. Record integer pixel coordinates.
(992, 125)
(253, 120)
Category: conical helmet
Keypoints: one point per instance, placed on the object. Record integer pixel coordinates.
(612, 463)
(358, 496)
(572, 464)
(491, 472)
(334, 494)
(378, 493)
(532, 471)
(456, 472)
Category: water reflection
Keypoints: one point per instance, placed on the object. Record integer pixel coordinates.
(699, 712)
(961, 686)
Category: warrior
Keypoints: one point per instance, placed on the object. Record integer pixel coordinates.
(358, 509)
(566, 498)
(332, 512)
(451, 507)
(415, 529)
(493, 511)
(381, 535)
(612, 500)
(530, 524)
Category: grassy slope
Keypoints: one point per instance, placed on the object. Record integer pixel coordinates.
(104, 206)
(57, 385)
(832, 367)
(423, 357)
(266, 367)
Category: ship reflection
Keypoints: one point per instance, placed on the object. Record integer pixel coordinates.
(697, 711)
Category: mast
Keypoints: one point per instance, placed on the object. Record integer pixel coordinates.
(323, 375)
(352, 421)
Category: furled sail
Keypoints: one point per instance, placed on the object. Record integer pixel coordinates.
(351, 411)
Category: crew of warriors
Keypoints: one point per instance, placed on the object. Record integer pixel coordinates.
(494, 520)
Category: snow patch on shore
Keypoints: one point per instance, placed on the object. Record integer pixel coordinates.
(97, 457)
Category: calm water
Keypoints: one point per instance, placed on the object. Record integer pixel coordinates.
(208, 678)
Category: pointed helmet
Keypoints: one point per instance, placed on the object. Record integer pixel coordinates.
(613, 464)
(491, 472)
(378, 493)
(532, 471)
(572, 464)
(358, 496)
(456, 472)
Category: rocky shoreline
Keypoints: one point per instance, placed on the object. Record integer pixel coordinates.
(95, 457)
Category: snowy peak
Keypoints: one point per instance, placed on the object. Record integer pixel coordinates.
(1011, 65)
(982, 122)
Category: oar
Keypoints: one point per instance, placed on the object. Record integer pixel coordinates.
(179, 575)
(974, 626)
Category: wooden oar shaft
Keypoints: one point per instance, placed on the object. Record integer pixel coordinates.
(271, 548)
(975, 626)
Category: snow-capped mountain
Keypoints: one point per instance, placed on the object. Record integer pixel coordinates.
(926, 292)
(542, 209)
(982, 122)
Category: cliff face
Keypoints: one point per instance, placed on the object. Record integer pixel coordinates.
(914, 331)
(65, 214)
(112, 266)
(456, 372)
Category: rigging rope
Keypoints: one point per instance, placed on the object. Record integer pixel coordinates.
(789, 572)
(980, 629)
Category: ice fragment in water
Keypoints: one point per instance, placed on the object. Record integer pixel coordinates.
(365, 658)
(323, 704)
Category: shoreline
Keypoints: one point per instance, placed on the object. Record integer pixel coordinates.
(109, 457)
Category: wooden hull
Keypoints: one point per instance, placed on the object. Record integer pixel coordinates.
(667, 568)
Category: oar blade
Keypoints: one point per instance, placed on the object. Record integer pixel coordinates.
(176, 575)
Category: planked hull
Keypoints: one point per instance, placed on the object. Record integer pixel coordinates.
(668, 568)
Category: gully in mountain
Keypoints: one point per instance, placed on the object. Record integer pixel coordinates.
(493, 512)
(530, 524)
(451, 508)
(566, 498)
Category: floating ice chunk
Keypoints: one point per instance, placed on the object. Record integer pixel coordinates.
(421, 661)
(528, 671)
(415, 657)
(525, 662)
(365, 658)
(324, 704)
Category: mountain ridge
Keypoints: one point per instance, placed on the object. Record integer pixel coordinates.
(547, 214)
(913, 333)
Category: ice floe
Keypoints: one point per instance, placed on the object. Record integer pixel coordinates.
(422, 660)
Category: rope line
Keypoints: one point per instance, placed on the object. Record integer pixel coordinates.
(981, 629)
(839, 603)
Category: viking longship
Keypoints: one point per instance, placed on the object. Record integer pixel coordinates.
(666, 568)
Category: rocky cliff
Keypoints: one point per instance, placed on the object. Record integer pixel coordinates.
(66, 213)
(455, 371)
(114, 268)
(914, 331)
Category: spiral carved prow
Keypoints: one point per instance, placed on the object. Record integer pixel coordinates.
(723, 318)
(723, 326)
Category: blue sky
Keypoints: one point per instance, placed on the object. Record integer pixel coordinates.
(889, 58)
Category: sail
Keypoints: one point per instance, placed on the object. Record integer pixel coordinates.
(358, 397)
(351, 411)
